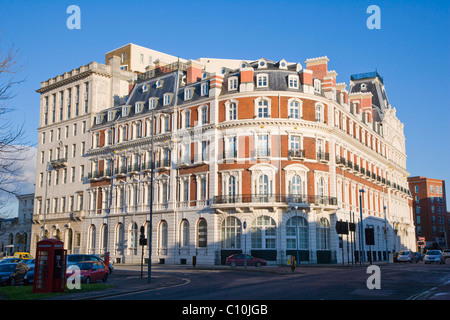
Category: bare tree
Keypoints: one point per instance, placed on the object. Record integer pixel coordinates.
(13, 148)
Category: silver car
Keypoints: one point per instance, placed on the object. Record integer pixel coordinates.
(447, 253)
(407, 256)
(434, 256)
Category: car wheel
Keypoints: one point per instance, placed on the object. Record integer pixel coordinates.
(258, 264)
(233, 264)
(105, 278)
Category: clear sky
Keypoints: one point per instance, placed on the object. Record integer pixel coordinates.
(410, 51)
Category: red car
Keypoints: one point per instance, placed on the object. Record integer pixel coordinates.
(90, 271)
(238, 260)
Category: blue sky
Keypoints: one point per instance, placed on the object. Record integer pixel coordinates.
(410, 51)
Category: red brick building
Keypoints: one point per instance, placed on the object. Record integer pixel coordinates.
(430, 211)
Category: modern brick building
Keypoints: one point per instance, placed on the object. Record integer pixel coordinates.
(430, 211)
(258, 156)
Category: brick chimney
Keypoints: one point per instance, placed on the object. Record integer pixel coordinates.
(319, 66)
(246, 81)
(194, 71)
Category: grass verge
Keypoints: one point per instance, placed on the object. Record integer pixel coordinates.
(26, 292)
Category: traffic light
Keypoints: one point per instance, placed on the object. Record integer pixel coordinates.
(142, 239)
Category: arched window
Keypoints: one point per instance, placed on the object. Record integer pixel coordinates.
(163, 235)
(231, 233)
(294, 109)
(323, 234)
(232, 111)
(92, 236)
(297, 233)
(319, 113)
(119, 236)
(263, 233)
(133, 236)
(202, 232)
(105, 237)
(184, 234)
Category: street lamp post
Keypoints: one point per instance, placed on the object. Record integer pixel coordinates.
(296, 233)
(385, 234)
(361, 238)
(149, 276)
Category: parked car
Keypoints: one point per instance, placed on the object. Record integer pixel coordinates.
(238, 260)
(90, 271)
(76, 258)
(446, 253)
(22, 255)
(434, 256)
(11, 260)
(12, 273)
(407, 256)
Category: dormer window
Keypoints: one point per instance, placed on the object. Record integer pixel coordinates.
(363, 87)
(125, 110)
(98, 118)
(262, 80)
(152, 103)
(139, 107)
(111, 115)
(293, 81)
(204, 89)
(145, 88)
(317, 86)
(282, 64)
(159, 84)
(166, 99)
(188, 93)
(232, 83)
(262, 64)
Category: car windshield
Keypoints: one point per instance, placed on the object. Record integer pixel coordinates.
(7, 268)
(26, 256)
(433, 252)
(404, 253)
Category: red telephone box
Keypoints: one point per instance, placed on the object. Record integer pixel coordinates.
(50, 266)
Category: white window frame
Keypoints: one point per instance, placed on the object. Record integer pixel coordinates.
(139, 107)
(166, 99)
(188, 93)
(269, 107)
(228, 106)
(300, 108)
(204, 89)
(152, 103)
(262, 80)
(233, 83)
(293, 81)
(317, 86)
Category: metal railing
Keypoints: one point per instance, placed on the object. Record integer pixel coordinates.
(275, 198)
